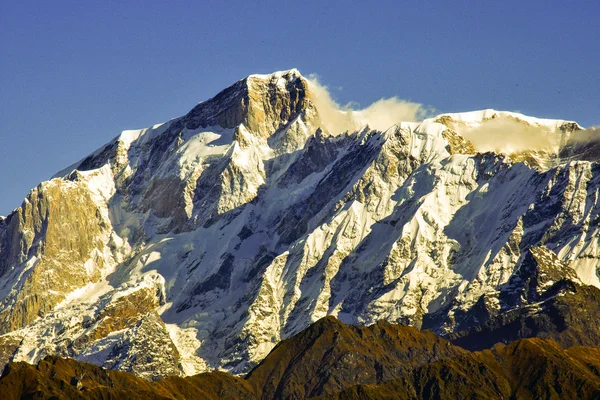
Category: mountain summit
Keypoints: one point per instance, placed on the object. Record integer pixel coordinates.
(202, 242)
(262, 103)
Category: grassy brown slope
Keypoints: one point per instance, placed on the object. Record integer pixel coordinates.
(462, 378)
(59, 378)
(329, 359)
(537, 368)
(330, 356)
(526, 369)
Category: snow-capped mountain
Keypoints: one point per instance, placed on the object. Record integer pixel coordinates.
(202, 242)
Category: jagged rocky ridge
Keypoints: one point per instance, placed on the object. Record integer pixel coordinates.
(331, 360)
(202, 242)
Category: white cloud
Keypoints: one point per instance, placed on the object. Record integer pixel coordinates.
(380, 115)
(508, 135)
(586, 135)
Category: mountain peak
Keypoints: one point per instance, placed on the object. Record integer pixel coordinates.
(478, 117)
(292, 74)
(263, 103)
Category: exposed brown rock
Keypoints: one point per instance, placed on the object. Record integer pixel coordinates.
(147, 350)
(120, 314)
(61, 225)
(8, 346)
(458, 144)
(262, 105)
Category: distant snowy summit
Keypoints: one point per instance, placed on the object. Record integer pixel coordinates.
(201, 242)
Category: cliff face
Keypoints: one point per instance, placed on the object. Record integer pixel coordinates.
(263, 104)
(544, 298)
(56, 242)
(222, 232)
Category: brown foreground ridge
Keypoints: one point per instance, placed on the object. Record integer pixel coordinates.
(332, 360)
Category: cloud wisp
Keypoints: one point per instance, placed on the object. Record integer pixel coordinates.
(508, 135)
(380, 115)
(504, 135)
(588, 135)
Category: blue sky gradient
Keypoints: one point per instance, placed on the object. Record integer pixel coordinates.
(73, 74)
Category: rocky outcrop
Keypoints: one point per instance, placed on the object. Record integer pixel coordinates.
(146, 350)
(121, 313)
(262, 103)
(54, 243)
(458, 144)
(544, 298)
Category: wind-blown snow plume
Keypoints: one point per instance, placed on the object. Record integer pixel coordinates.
(591, 134)
(509, 135)
(380, 115)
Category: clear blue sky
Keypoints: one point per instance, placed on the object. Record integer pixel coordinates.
(73, 74)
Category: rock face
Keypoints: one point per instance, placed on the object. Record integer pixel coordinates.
(543, 298)
(331, 360)
(219, 233)
(60, 239)
(263, 104)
